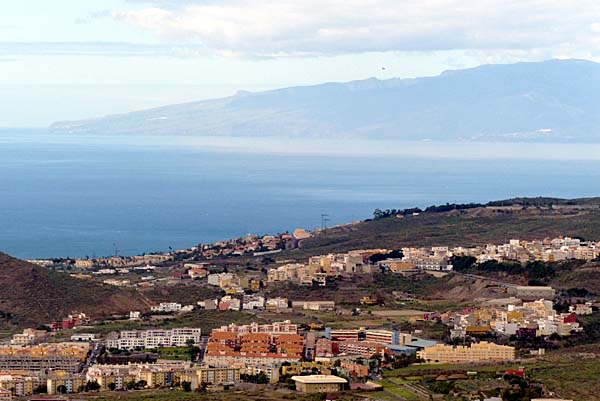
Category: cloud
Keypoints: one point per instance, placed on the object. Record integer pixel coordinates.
(267, 28)
(11, 49)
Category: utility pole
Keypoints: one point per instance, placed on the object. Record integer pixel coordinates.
(324, 220)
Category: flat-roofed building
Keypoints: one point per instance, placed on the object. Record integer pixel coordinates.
(285, 327)
(179, 337)
(532, 293)
(480, 352)
(319, 383)
(343, 334)
(364, 348)
(387, 337)
(56, 356)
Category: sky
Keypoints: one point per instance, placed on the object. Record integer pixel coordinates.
(70, 59)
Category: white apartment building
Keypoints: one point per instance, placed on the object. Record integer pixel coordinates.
(254, 302)
(130, 339)
(166, 307)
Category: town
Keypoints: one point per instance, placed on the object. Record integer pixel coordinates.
(305, 344)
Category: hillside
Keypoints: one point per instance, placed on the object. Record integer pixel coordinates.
(474, 226)
(557, 100)
(31, 295)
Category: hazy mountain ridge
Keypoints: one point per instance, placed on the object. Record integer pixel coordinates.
(546, 101)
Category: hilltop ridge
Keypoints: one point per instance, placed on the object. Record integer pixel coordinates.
(551, 101)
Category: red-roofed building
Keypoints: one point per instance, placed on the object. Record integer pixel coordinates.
(570, 318)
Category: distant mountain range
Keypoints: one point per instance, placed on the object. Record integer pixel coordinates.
(556, 100)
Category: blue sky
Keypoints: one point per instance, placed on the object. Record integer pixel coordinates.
(68, 59)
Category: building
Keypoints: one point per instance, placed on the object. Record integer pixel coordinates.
(5, 395)
(387, 337)
(532, 293)
(58, 356)
(254, 348)
(581, 309)
(252, 302)
(319, 383)
(160, 375)
(83, 337)
(167, 307)
(365, 349)
(130, 339)
(274, 304)
(343, 334)
(65, 383)
(197, 273)
(319, 306)
(28, 337)
(479, 352)
(355, 369)
(285, 327)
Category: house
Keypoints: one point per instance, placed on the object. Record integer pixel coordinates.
(197, 273)
(581, 309)
(254, 302)
(276, 304)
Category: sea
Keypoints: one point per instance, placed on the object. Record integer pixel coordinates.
(87, 195)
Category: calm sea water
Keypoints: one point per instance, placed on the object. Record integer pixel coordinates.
(92, 195)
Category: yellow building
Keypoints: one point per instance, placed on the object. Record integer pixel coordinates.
(515, 316)
(110, 382)
(21, 384)
(319, 383)
(218, 375)
(480, 352)
(65, 383)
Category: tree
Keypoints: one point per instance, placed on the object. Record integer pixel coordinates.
(262, 378)
(186, 386)
(62, 389)
(463, 263)
(130, 385)
(112, 386)
(141, 384)
(92, 386)
(41, 389)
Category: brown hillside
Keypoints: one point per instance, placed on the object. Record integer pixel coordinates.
(30, 295)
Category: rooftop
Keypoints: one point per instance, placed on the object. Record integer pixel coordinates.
(318, 379)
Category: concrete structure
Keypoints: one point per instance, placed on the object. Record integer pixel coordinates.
(285, 327)
(319, 383)
(59, 356)
(28, 337)
(327, 306)
(160, 375)
(480, 352)
(155, 338)
(167, 307)
(83, 337)
(532, 293)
